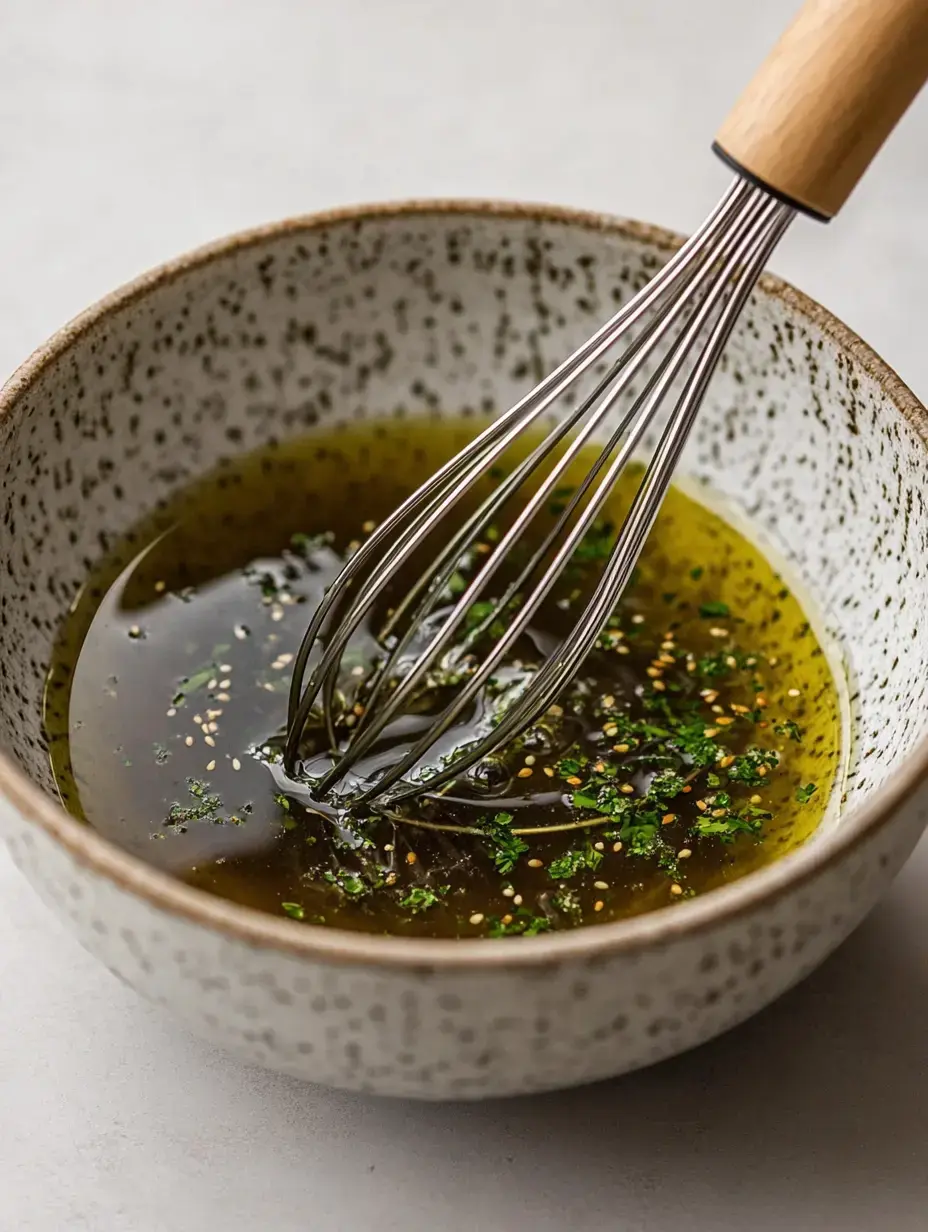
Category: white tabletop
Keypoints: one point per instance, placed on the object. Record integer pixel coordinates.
(130, 132)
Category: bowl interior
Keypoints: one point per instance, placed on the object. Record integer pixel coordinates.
(450, 312)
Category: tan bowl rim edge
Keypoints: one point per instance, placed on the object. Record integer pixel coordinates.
(423, 955)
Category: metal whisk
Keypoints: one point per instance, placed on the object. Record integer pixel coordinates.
(799, 139)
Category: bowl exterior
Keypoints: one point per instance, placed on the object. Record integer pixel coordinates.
(342, 315)
(425, 1032)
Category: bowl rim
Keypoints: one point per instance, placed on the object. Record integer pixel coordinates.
(332, 945)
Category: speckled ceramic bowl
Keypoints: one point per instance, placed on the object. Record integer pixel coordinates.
(455, 307)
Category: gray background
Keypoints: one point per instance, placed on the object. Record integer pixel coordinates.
(130, 132)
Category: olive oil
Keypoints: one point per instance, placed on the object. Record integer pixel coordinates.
(700, 741)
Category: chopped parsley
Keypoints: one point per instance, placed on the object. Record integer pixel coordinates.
(420, 898)
(790, 729)
(505, 847)
(523, 923)
(575, 861)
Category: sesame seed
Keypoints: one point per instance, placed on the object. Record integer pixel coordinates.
(701, 805)
(549, 771)
(718, 631)
(620, 748)
(388, 846)
(525, 772)
(668, 645)
(610, 729)
(225, 684)
(598, 905)
(236, 764)
(710, 732)
(617, 847)
(725, 762)
(368, 526)
(390, 878)
(624, 650)
(210, 741)
(160, 586)
(477, 917)
(719, 812)
(599, 847)
(659, 686)
(760, 702)
(171, 713)
(135, 631)
(668, 818)
(411, 857)
(724, 720)
(599, 766)
(601, 885)
(684, 853)
(556, 711)
(535, 863)
(214, 727)
(223, 697)
(718, 709)
(225, 667)
(518, 900)
(792, 692)
(530, 760)
(198, 719)
(654, 672)
(676, 889)
(773, 661)
(574, 781)
(240, 632)
(508, 891)
(277, 613)
(756, 799)
(609, 701)
(637, 619)
(709, 695)
(762, 771)
(211, 765)
(507, 919)
(355, 671)
(189, 741)
(627, 790)
(686, 790)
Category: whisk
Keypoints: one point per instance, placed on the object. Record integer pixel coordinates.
(800, 137)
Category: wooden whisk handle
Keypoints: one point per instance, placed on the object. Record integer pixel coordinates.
(827, 97)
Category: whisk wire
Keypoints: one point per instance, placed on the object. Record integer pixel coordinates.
(709, 277)
(645, 407)
(394, 545)
(550, 678)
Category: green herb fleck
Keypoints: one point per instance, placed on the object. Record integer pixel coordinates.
(506, 847)
(575, 861)
(789, 728)
(420, 898)
(715, 609)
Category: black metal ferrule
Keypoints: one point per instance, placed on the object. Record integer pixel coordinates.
(774, 192)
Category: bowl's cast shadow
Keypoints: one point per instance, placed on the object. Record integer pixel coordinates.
(830, 1081)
